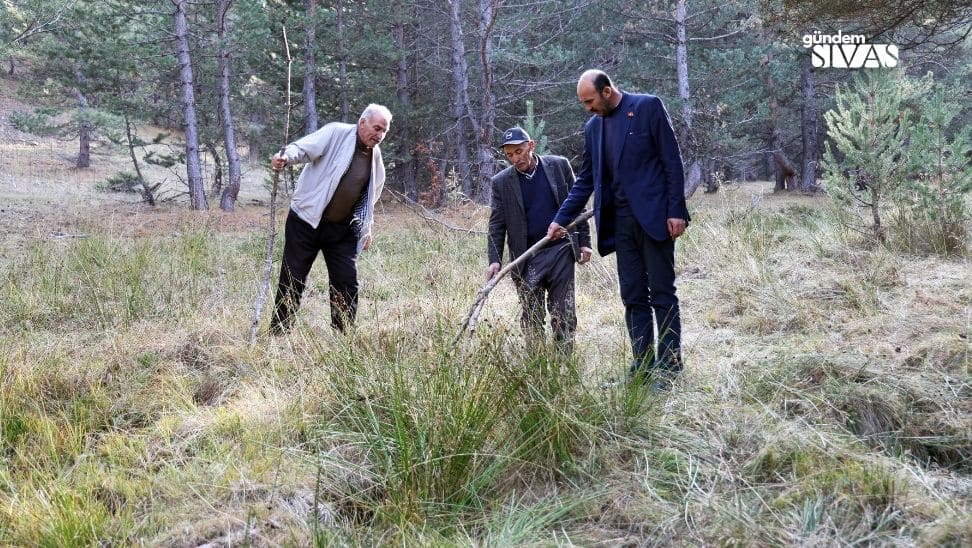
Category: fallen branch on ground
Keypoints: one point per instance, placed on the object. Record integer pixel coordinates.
(424, 213)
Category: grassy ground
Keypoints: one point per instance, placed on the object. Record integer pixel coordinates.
(827, 398)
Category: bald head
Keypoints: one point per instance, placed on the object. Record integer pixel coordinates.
(597, 78)
(597, 93)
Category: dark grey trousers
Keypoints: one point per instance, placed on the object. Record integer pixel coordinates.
(547, 281)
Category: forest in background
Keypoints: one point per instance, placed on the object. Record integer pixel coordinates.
(738, 82)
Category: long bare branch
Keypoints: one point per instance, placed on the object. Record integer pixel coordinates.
(272, 224)
(430, 216)
(471, 319)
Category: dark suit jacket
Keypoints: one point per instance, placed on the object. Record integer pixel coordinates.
(507, 217)
(649, 168)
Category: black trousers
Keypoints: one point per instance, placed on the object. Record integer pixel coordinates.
(547, 281)
(646, 272)
(338, 242)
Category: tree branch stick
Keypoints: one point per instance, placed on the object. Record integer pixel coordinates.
(272, 225)
(469, 323)
(429, 216)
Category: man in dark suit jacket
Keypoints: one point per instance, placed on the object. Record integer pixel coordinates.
(525, 197)
(633, 167)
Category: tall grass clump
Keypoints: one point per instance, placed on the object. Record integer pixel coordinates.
(432, 430)
(433, 435)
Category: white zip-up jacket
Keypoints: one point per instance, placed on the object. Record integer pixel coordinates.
(327, 154)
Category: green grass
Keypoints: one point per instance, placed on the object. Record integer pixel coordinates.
(824, 402)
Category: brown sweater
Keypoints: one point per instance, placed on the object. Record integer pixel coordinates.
(353, 184)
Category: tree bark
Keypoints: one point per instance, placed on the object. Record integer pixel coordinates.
(875, 213)
(213, 150)
(228, 199)
(808, 121)
(407, 170)
(310, 67)
(148, 193)
(342, 63)
(197, 192)
(488, 11)
(693, 172)
(460, 86)
(776, 169)
(709, 179)
(84, 131)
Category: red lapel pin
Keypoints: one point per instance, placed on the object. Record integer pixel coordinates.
(630, 114)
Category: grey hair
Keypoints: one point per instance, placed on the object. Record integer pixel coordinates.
(373, 109)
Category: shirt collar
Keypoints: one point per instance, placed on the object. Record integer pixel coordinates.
(617, 108)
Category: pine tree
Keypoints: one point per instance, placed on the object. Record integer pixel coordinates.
(935, 211)
(869, 128)
(534, 129)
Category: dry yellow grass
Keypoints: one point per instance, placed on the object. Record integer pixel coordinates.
(827, 397)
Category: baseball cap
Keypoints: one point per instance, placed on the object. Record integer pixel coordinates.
(514, 136)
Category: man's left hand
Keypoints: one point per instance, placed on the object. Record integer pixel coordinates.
(586, 254)
(367, 243)
(676, 227)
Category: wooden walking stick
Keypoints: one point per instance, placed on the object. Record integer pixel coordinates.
(272, 226)
(469, 323)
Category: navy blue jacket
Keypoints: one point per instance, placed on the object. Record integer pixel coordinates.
(649, 168)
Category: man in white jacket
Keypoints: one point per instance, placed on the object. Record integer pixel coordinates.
(331, 212)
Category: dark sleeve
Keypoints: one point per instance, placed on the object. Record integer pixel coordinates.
(584, 230)
(671, 161)
(497, 227)
(582, 189)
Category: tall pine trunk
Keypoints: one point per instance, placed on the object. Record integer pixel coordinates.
(488, 11)
(227, 201)
(460, 87)
(808, 121)
(310, 66)
(693, 172)
(407, 170)
(197, 193)
(775, 143)
(84, 132)
(217, 187)
(342, 63)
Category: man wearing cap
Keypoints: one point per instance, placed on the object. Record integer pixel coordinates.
(633, 167)
(331, 212)
(526, 196)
